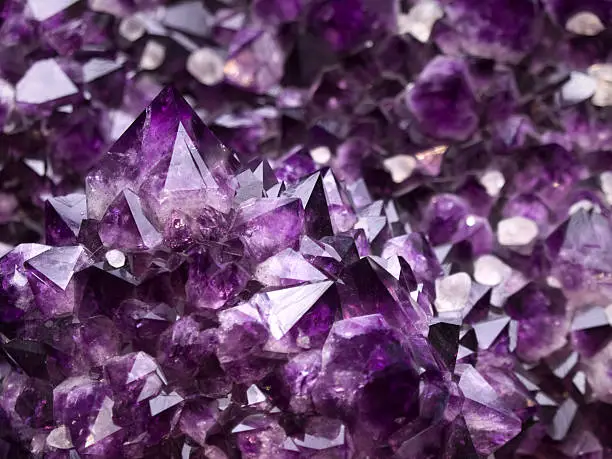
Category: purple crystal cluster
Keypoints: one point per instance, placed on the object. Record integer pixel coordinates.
(340, 229)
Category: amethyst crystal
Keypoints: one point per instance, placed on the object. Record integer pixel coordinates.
(255, 60)
(505, 31)
(345, 25)
(370, 229)
(265, 295)
(160, 157)
(373, 385)
(582, 257)
(444, 82)
(268, 225)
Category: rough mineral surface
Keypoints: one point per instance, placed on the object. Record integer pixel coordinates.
(305, 229)
(266, 331)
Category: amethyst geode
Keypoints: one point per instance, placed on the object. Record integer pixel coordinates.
(196, 305)
(372, 229)
(219, 312)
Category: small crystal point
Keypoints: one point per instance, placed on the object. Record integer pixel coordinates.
(285, 307)
(44, 83)
(59, 264)
(125, 227)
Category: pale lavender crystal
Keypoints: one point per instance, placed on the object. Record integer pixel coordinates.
(42, 10)
(7, 100)
(63, 217)
(266, 226)
(259, 436)
(490, 330)
(248, 186)
(284, 308)
(52, 278)
(264, 173)
(196, 301)
(583, 252)
(255, 60)
(415, 249)
(489, 425)
(374, 223)
(597, 369)
(59, 264)
(511, 390)
(16, 293)
(287, 268)
(190, 17)
(57, 89)
(340, 212)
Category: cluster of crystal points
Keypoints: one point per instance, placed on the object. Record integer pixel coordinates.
(269, 75)
(421, 269)
(192, 305)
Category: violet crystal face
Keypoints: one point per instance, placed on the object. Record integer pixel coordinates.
(305, 229)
